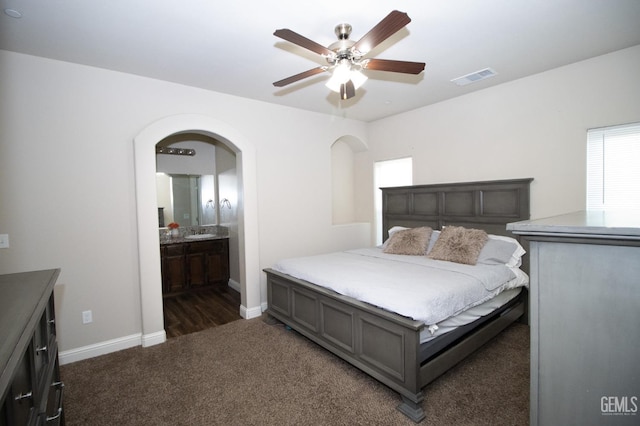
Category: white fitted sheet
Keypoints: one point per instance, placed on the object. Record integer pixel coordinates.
(468, 316)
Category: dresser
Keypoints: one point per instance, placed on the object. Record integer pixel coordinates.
(584, 317)
(30, 387)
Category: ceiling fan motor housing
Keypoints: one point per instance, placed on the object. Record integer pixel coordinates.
(342, 47)
(343, 31)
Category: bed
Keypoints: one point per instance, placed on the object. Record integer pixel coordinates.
(402, 352)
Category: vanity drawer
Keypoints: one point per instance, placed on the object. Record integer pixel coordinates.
(213, 246)
(174, 250)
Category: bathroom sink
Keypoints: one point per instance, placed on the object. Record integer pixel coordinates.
(198, 236)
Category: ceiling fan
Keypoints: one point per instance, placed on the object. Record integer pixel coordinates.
(346, 57)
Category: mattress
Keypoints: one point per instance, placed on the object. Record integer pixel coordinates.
(423, 289)
(470, 315)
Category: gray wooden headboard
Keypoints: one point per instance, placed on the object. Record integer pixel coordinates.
(487, 205)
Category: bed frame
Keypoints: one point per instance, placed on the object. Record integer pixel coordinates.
(386, 345)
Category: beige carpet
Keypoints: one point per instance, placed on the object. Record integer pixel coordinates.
(251, 373)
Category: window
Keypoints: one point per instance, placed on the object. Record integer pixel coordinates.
(613, 167)
(386, 174)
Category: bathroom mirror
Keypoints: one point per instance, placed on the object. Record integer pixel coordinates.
(185, 199)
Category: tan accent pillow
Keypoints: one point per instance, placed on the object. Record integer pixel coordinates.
(459, 244)
(413, 242)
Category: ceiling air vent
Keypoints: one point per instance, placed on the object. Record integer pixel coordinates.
(474, 76)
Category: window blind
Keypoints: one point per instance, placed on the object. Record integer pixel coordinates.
(613, 167)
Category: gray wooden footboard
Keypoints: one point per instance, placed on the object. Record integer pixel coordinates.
(382, 344)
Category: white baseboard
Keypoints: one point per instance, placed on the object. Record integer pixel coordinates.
(146, 340)
(154, 338)
(250, 313)
(234, 285)
(102, 348)
(244, 312)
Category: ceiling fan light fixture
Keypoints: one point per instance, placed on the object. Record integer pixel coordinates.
(333, 85)
(358, 78)
(340, 75)
(342, 71)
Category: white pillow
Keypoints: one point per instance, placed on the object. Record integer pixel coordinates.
(432, 241)
(516, 257)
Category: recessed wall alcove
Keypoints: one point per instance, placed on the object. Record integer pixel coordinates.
(146, 204)
(343, 178)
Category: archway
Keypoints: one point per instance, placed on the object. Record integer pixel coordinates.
(146, 199)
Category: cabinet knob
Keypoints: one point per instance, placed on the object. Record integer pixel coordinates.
(42, 349)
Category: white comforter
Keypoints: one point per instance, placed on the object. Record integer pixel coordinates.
(413, 286)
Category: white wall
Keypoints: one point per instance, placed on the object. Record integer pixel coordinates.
(533, 127)
(66, 150)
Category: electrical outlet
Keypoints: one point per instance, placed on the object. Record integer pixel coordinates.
(87, 317)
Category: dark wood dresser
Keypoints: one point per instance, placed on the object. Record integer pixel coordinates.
(30, 387)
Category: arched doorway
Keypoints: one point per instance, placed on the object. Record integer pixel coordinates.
(146, 199)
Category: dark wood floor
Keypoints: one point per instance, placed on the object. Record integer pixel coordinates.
(191, 312)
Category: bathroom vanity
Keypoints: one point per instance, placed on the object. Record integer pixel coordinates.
(190, 264)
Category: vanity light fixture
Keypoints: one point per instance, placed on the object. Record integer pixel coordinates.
(175, 151)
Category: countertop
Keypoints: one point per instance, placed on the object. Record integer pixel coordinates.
(177, 240)
(625, 224)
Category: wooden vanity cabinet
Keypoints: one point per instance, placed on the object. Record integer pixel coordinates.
(174, 271)
(193, 265)
(30, 386)
(208, 262)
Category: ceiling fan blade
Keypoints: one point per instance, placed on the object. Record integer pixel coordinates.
(295, 38)
(394, 66)
(347, 90)
(298, 77)
(390, 25)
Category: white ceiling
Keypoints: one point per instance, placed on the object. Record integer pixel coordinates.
(229, 47)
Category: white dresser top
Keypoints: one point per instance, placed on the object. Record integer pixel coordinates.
(583, 223)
